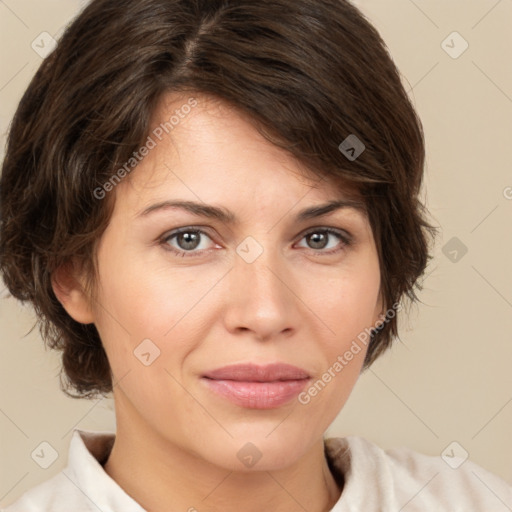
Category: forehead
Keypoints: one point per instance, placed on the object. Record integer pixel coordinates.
(205, 149)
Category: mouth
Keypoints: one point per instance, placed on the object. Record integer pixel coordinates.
(257, 387)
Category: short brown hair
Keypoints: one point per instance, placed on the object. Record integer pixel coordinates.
(310, 73)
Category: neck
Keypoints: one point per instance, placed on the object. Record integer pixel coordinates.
(156, 472)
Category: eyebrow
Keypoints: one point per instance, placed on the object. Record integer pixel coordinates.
(226, 216)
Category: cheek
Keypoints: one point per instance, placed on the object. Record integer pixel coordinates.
(140, 298)
(347, 307)
(346, 300)
(147, 334)
(347, 304)
(138, 302)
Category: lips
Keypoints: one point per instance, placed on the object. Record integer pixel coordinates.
(257, 387)
(255, 373)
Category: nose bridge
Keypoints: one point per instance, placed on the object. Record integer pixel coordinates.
(257, 263)
(261, 301)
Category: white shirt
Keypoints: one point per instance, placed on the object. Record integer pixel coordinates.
(376, 480)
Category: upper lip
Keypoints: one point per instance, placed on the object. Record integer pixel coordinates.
(258, 373)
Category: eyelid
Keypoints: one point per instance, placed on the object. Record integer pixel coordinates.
(344, 234)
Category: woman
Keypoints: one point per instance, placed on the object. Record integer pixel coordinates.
(213, 207)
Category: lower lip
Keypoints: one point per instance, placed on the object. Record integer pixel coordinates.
(257, 395)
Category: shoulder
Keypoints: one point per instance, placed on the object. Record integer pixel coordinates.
(56, 495)
(402, 479)
(83, 486)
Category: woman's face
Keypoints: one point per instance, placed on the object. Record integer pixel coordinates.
(259, 284)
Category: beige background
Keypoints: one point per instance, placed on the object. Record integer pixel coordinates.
(450, 378)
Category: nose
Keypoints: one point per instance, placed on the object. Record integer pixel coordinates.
(261, 296)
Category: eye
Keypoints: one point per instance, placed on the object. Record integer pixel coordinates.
(188, 241)
(321, 238)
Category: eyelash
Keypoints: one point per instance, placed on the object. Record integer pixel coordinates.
(344, 238)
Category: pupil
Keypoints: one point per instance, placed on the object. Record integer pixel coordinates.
(319, 239)
(189, 240)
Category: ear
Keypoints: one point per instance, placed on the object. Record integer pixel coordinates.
(67, 283)
(379, 311)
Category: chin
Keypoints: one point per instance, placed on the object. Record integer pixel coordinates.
(257, 449)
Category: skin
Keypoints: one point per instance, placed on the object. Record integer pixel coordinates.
(177, 442)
